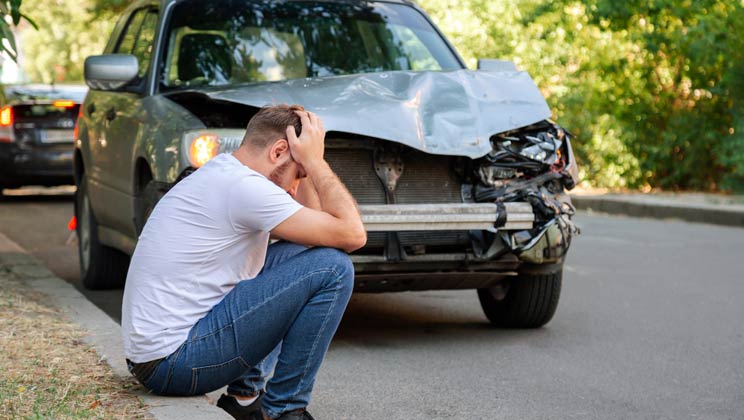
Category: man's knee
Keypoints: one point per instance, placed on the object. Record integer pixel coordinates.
(339, 262)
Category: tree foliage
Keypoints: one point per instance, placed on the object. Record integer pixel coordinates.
(649, 87)
(69, 31)
(11, 10)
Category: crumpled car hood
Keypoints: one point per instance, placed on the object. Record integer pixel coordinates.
(445, 113)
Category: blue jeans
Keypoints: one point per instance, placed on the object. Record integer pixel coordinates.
(282, 320)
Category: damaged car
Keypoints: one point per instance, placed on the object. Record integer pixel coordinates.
(460, 175)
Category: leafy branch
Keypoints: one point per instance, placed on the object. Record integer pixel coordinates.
(11, 9)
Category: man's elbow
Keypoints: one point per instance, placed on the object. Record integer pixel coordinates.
(356, 240)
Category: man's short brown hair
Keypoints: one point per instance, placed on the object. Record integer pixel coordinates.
(270, 124)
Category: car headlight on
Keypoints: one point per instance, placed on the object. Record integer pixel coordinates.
(203, 149)
(202, 145)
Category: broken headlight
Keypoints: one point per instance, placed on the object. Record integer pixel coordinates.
(533, 165)
(525, 154)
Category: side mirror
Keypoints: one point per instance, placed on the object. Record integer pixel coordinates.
(111, 71)
(490, 64)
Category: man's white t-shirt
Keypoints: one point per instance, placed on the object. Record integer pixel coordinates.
(209, 232)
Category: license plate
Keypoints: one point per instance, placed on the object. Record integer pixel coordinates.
(56, 136)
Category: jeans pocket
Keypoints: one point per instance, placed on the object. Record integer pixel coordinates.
(208, 378)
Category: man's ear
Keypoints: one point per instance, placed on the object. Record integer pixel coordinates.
(278, 150)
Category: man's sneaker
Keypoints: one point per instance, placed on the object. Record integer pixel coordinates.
(239, 412)
(300, 414)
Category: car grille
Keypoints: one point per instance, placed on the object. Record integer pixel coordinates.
(354, 167)
(426, 178)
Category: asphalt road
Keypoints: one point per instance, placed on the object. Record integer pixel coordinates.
(650, 326)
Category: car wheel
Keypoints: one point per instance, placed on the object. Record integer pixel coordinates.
(146, 201)
(528, 300)
(101, 267)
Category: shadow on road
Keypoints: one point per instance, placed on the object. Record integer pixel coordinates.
(412, 319)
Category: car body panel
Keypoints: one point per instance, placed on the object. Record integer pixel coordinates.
(444, 113)
(161, 142)
(114, 121)
(109, 192)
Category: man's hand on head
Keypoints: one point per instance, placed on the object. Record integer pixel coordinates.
(308, 148)
(332, 217)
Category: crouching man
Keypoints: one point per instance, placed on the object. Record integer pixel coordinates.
(209, 303)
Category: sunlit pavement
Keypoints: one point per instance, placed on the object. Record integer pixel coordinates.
(33, 192)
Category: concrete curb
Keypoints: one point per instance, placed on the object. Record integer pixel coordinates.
(630, 206)
(104, 333)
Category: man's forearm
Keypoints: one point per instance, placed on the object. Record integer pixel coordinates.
(307, 195)
(334, 198)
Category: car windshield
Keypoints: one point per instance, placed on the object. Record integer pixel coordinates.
(236, 41)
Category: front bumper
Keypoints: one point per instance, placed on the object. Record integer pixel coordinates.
(456, 216)
(504, 237)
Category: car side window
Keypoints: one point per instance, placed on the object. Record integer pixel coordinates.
(126, 42)
(137, 40)
(143, 44)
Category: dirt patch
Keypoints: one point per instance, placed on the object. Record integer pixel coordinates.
(47, 371)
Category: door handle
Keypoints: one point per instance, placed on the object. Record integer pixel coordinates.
(91, 109)
(111, 114)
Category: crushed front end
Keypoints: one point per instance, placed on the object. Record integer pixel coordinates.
(460, 178)
(534, 164)
(447, 222)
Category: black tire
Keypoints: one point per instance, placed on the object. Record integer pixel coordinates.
(101, 267)
(145, 203)
(526, 301)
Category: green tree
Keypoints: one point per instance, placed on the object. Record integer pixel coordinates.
(11, 9)
(649, 87)
(580, 68)
(106, 8)
(69, 31)
(685, 125)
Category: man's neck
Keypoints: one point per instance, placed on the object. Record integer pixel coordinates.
(252, 160)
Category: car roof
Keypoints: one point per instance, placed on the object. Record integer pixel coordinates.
(41, 92)
(164, 3)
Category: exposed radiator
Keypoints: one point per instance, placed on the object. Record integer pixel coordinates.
(426, 179)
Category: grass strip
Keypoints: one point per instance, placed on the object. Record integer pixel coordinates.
(47, 371)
